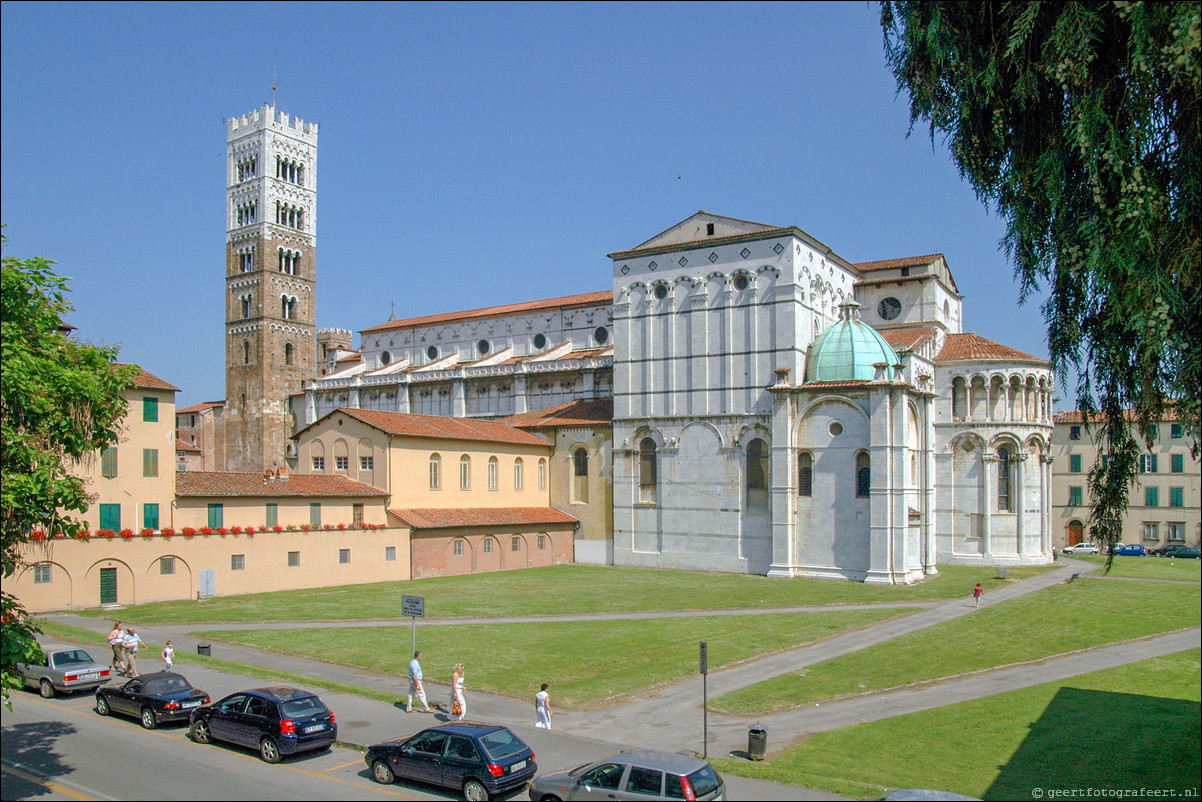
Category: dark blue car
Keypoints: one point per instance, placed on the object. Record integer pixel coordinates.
(481, 761)
(1135, 550)
(275, 721)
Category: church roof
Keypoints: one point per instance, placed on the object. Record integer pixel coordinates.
(848, 350)
(908, 339)
(972, 346)
(888, 264)
(586, 299)
(222, 483)
(454, 517)
(598, 412)
(440, 427)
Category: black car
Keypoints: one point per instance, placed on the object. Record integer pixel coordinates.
(153, 698)
(1167, 551)
(276, 721)
(480, 760)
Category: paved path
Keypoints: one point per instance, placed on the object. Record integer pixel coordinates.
(670, 717)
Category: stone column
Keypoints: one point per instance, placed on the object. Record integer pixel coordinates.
(1020, 481)
(989, 476)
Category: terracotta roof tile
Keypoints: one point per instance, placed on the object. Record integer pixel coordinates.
(181, 445)
(444, 428)
(453, 517)
(145, 380)
(974, 346)
(599, 412)
(1077, 416)
(201, 407)
(907, 339)
(216, 483)
(586, 299)
(887, 264)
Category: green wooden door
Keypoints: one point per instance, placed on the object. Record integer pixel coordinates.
(108, 585)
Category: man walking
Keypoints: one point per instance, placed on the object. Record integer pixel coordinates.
(415, 685)
(130, 644)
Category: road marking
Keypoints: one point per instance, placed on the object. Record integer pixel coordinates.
(51, 785)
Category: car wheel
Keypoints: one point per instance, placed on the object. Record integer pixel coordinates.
(269, 751)
(549, 798)
(474, 791)
(381, 773)
(46, 689)
(200, 732)
(102, 706)
(148, 719)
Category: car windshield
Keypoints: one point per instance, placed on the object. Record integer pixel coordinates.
(303, 708)
(76, 657)
(167, 685)
(704, 781)
(501, 744)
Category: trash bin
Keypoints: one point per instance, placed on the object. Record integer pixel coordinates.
(757, 742)
(203, 649)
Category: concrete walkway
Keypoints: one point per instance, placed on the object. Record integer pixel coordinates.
(670, 717)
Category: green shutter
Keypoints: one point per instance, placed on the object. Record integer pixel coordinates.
(1176, 496)
(315, 513)
(150, 409)
(1151, 496)
(1074, 496)
(1074, 463)
(150, 516)
(150, 462)
(108, 462)
(216, 516)
(273, 514)
(1177, 460)
(110, 517)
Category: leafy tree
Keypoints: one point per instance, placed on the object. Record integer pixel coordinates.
(60, 401)
(1079, 123)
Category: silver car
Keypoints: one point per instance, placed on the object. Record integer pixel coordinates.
(65, 669)
(634, 774)
(1081, 548)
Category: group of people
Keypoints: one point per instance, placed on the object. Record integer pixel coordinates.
(458, 707)
(125, 643)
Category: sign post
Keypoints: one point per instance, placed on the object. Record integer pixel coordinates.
(414, 606)
(705, 709)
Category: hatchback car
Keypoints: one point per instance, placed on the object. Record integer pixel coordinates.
(152, 698)
(634, 774)
(1081, 548)
(65, 669)
(277, 721)
(1133, 550)
(1187, 553)
(480, 760)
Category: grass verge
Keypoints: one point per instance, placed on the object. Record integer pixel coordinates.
(1091, 612)
(1149, 567)
(1079, 733)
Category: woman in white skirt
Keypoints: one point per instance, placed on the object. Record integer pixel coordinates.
(457, 697)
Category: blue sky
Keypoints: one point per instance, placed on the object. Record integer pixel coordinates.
(469, 154)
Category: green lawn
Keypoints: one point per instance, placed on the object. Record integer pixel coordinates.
(1149, 567)
(1061, 618)
(563, 589)
(1131, 727)
(587, 662)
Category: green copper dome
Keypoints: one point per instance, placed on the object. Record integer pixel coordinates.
(848, 350)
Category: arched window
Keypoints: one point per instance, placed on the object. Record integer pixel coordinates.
(288, 353)
(757, 474)
(648, 470)
(245, 353)
(805, 474)
(245, 306)
(492, 473)
(863, 475)
(435, 472)
(1005, 468)
(465, 472)
(542, 474)
(580, 475)
(517, 474)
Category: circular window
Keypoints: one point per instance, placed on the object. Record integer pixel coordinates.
(888, 308)
(540, 341)
(601, 335)
(741, 282)
(482, 347)
(661, 292)
(431, 353)
(385, 358)
(835, 428)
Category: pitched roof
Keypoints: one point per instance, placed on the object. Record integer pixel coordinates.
(907, 339)
(908, 261)
(440, 427)
(201, 407)
(453, 517)
(181, 445)
(598, 412)
(586, 299)
(145, 380)
(218, 483)
(974, 346)
(1077, 416)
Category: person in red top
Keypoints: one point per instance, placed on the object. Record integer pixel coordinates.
(977, 593)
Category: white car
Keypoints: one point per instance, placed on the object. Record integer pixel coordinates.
(1081, 548)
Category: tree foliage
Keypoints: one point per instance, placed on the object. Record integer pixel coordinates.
(1079, 123)
(60, 401)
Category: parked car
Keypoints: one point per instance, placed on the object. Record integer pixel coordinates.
(479, 760)
(65, 669)
(634, 774)
(1188, 553)
(1131, 550)
(1167, 551)
(152, 698)
(277, 721)
(1081, 548)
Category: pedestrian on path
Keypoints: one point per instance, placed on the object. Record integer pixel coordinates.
(169, 656)
(458, 701)
(977, 593)
(542, 708)
(415, 685)
(115, 638)
(130, 644)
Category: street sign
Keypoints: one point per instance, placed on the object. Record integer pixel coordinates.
(413, 606)
(704, 659)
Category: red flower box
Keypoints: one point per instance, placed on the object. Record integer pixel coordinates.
(304, 527)
(167, 531)
(277, 528)
(206, 530)
(250, 530)
(188, 531)
(237, 530)
(221, 530)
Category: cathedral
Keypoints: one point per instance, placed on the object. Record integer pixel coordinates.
(741, 399)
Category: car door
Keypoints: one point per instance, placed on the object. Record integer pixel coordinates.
(643, 783)
(460, 758)
(223, 719)
(253, 722)
(421, 757)
(123, 701)
(602, 782)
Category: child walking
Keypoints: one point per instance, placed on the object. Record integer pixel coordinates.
(168, 656)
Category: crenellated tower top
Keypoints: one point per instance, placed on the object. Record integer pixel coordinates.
(268, 117)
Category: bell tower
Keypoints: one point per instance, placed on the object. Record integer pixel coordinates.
(271, 281)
